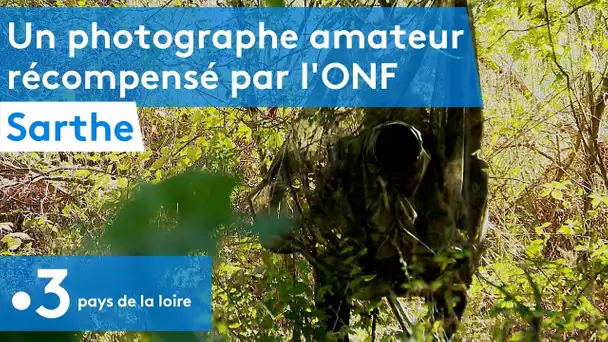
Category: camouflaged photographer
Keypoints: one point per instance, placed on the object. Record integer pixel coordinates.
(379, 199)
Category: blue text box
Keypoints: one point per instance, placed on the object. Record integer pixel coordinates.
(138, 293)
(423, 76)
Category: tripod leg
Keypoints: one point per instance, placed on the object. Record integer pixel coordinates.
(398, 311)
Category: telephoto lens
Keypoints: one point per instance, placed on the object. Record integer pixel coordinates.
(397, 148)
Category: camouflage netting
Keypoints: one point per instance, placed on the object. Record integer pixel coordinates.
(378, 193)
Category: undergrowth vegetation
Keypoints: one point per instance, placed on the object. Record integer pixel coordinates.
(544, 75)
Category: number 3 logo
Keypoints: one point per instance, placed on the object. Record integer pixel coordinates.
(54, 286)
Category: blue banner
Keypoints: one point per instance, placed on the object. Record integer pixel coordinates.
(105, 293)
(227, 57)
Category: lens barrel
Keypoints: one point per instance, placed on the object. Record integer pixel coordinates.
(397, 147)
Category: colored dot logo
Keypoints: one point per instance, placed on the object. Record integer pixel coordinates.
(21, 301)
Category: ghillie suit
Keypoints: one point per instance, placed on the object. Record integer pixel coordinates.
(381, 200)
(398, 197)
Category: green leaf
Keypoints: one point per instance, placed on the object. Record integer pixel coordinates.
(82, 173)
(567, 230)
(535, 248)
(193, 152)
(221, 328)
(369, 277)
(159, 163)
(198, 203)
(275, 3)
(122, 182)
(11, 242)
(557, 194)
(539, 229)
(595, 201)
(518, 336)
